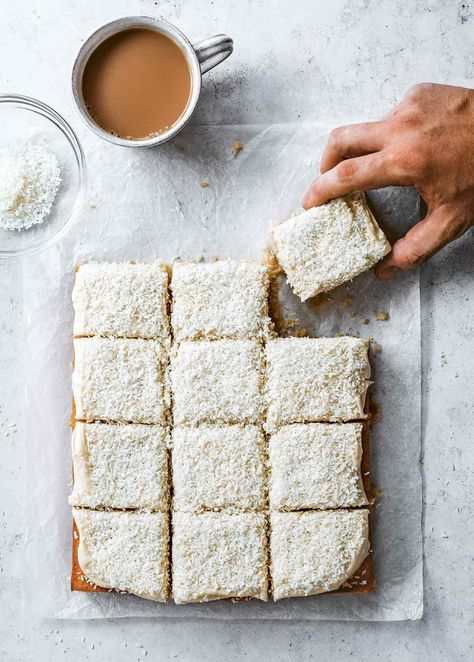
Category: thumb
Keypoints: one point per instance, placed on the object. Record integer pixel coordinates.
(420, 243)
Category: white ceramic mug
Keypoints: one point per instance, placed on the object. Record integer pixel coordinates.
(203, 56)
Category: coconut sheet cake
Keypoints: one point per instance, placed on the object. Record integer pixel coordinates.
(201, 437)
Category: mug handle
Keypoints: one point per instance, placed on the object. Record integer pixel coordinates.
(212, 51)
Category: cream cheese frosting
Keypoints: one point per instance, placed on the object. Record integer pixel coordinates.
(120, 466)
(223, 299)
(316, 465)
(219, 555)
(218, 467)
(316, 380)
(316, 552)
(126, 551)
(127, 300)
(218, 381)
(118, 379)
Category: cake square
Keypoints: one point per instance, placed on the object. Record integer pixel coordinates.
(121, 299)
(316, 379)
(218, 381)
(118, 379)
(316, 551)
(218, 468)
(125, 551)
(316, 466)
(328, 245)
(223, 299)
(219, 555)
(120, 466)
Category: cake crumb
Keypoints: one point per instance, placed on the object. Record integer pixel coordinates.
(364, 320)
(375, 346)
(302, 333)
(203, 184)
(236, 148)
(382, 316)
(92, 205)
(320, 300)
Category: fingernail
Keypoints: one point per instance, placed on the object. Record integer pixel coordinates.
(387, 273)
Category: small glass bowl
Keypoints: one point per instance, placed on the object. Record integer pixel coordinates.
(24, 119)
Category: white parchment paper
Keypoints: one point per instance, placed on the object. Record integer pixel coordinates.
(149, 203)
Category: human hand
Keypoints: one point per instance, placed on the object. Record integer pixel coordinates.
(426, 141)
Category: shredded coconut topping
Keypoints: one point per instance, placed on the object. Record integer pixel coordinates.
(124, 300)
(219, 555)
(29, 182)
(217, 468)
(127, 551)
(223, 299)
(314, 552)
(316, 465)
(118, 379)
(328, 245)
(316, 379)
(120, 466)
(217, 381)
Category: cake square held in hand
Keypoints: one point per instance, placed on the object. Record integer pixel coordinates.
(219, 555)
(121, 299)
(216, 468)
(328, 245)
(126, 551)
(218, 381)
(120, 466)
(314, 552)
(223, 299)
(118, 379)
(316, 465)
(316, 379)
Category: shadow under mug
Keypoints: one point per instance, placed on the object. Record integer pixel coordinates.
(201, 58)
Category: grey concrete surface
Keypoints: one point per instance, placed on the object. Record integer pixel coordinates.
(293, 61)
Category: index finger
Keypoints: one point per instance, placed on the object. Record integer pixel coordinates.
(352, 140)
(359, 174)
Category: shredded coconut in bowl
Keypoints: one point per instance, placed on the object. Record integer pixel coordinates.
(29, 182)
